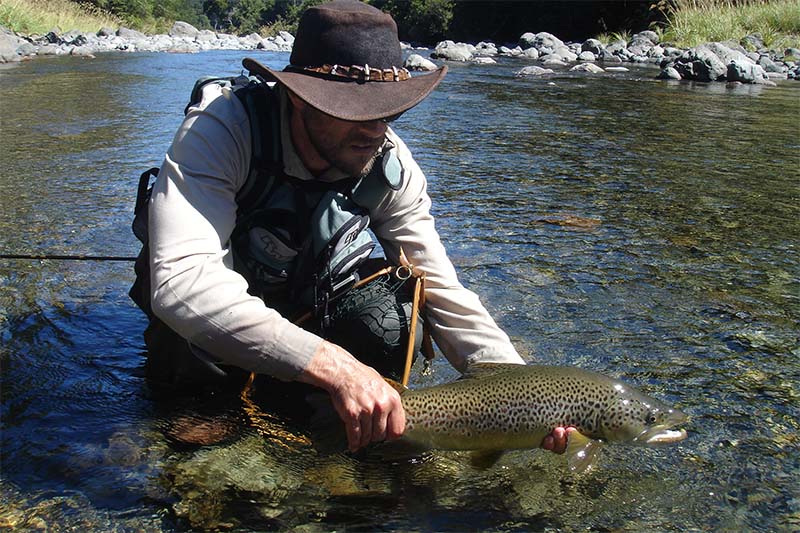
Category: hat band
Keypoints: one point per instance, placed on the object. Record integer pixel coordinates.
(357, 72)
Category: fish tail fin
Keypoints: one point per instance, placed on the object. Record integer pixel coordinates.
(581, 452)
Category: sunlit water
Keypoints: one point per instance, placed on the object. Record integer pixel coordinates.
(643, 229)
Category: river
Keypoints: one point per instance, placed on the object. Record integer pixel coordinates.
(645, 229)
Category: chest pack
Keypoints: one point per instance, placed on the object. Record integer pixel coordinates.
(298, 243)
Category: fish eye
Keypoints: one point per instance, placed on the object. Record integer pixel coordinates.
(652, 418)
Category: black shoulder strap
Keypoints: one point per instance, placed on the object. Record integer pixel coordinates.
(266, 163)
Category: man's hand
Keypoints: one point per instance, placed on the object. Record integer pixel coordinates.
(369, 407)
(557, 440)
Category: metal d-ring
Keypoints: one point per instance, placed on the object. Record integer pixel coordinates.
(403, 272)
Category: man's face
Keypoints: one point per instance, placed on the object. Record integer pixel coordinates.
(349, 146)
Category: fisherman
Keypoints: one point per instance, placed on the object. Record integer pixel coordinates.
(228, 284)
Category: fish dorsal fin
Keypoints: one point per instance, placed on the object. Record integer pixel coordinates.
(482, 370)
(399, 387)
(581, 452)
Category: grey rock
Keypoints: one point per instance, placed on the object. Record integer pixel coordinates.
(506, 51)
(81, 51)
(640, 46)
(106, 32)
(617, 69)
(531, 53)
(527, 40)
(752, 42)
(8, 48)
(534, 71)
(26, 49)
(205, 36)
(554, 62)
(53, 37)
(607, 57)
(183, 29)
(669, 73)
(746, 72)
(792, 52)
(485, 49)
(452, 51)
(484, 60)
(587, 56)
(546, 40)
(286, 36)
(417, 62)
(129, 34)
(592, 45)
(648, 35)
(769, 65)
(563, 53)
(587, 67)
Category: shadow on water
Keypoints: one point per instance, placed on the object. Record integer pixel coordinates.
(643, 229)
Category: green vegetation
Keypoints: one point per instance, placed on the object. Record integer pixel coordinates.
(692, 22)
(38, 16)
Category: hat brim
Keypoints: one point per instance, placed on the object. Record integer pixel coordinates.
(351, 99)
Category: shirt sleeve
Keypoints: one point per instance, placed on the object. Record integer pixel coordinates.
(192, 213)
(460, 324)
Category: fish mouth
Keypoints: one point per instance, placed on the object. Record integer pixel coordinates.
(657, 436)
(665, 432)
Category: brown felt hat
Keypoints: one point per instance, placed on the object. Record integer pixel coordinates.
(346, 62)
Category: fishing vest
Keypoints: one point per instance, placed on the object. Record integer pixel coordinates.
(298, 243)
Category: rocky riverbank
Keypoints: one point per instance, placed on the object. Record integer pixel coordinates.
(182, 38)
(748, 61)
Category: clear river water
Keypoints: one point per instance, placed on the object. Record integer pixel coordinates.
(644, 229)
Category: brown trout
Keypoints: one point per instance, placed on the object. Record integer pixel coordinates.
(496, 407)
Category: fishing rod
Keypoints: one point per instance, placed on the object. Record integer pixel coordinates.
(67, 257)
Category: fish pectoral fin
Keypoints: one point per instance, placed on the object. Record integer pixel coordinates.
(483, 459)
(581, 452)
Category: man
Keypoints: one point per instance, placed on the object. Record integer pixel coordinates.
(208, 259)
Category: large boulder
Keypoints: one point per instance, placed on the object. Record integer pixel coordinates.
(452, 51)
(183, 29)
(8, 48)
(747, 72)
(129, 34)
(417, 62)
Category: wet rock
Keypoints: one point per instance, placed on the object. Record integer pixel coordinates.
(453, 51)
(669, 73)
(484, 61)
(534, 70)
(747, 72)
(105, 32)
(417, 62)
(587, 56)
(587, 67)
(485, 49)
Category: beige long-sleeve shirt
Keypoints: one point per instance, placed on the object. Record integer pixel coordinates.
(198, 294)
